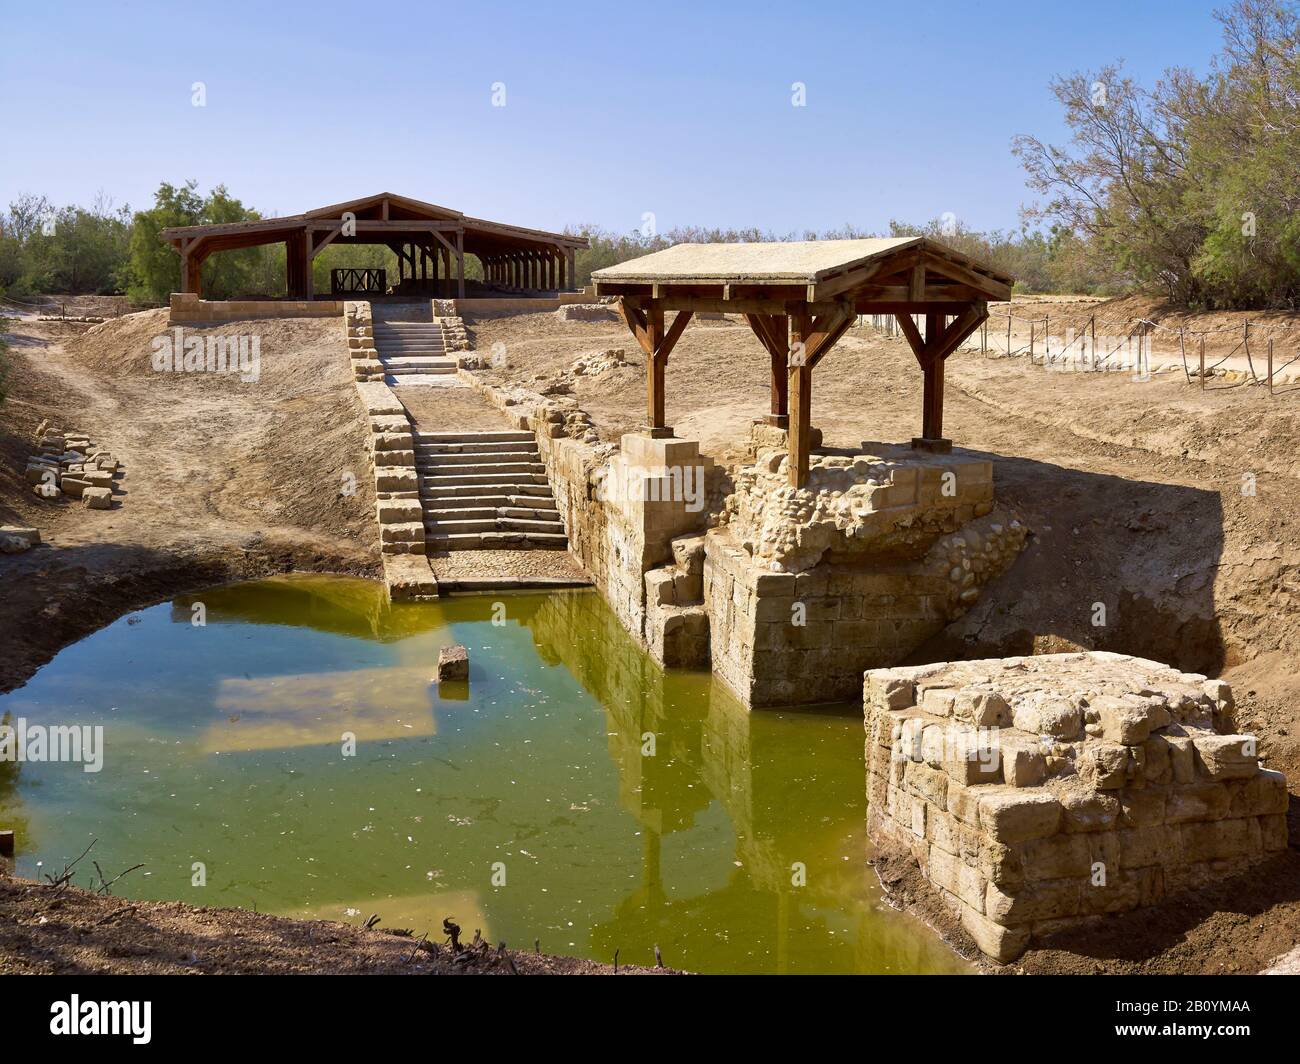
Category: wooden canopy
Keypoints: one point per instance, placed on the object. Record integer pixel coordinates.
(419, 233)
(800, 298)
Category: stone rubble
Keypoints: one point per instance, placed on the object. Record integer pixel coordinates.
(67, 463)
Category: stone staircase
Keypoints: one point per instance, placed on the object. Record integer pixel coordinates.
(413, 352)
(485, 491)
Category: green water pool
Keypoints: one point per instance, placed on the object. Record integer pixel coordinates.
(571, 792)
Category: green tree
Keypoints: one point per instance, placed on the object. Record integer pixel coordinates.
(154, 270)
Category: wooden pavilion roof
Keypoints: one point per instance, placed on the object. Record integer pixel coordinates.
(799, 298)
(380, 217)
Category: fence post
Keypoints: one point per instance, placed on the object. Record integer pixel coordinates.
(1031, 343)
(1270, 365)
(1182, 350)
(1202, 361)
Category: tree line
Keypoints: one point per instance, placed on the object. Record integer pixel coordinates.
(1188, 188)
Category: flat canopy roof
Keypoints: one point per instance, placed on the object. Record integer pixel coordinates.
(824, 268)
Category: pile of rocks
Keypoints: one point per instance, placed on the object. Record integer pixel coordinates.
(598, 363)
(891, 501)
(1038, 792)
(69, 464)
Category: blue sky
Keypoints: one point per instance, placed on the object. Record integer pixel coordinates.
(612, 110)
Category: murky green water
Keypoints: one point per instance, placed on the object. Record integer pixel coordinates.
(224, 746)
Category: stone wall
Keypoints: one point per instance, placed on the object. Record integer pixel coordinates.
(188, 309)
(1041, 792)
(398, 511)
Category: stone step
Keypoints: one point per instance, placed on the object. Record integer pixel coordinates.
(429, 366)
(427, 460)
(475, 447)
(443, 514)
(497, 541)
(475, 437)
(444, 492)
(430, 485)
(435, 471)
(499, 524)
(540, 502)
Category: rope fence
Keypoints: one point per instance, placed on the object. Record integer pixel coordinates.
(1086, 349)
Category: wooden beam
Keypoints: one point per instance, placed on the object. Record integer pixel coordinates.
(655, 366)
(799, 384)
(460, 263)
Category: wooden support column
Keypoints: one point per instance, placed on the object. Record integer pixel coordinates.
(573, 274)
(460, 263)
(931, 351)
(799, 397)
(560, 263)
(931, 437)
(647, 325)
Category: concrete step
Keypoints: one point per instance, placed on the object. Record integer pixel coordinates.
(435, 470)
(506, 436)
(474, 457)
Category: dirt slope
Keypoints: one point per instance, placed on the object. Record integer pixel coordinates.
(224, 478)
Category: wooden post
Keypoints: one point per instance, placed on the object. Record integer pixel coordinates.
(655, 366)
(780, 398)
(573, 274)
(1202, 362)
(560, 263)
(1270, 365)
(460, 263)
(1008, 334)
(931, 357)
(799, 399)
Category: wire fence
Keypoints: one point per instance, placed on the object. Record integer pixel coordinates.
(1105, 345)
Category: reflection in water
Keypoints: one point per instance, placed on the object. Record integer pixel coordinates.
(737, 845)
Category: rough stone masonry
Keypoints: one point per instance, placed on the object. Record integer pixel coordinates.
(1038, 792)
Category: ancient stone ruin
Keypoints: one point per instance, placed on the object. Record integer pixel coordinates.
(1036, 793)
(69, 464)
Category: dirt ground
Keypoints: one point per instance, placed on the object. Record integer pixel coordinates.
(50, 930)
(224, 478)
(1175, 508)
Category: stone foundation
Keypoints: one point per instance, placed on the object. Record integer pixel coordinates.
(186, 308)
(1038, 793)
(806, 588)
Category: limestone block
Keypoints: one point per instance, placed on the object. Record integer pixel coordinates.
(31, 537)
(402, 533)
(1197, 801)
(399, 511)
(1010, 815)
(1220, 757)
(1003, 944)
(97, 498)
(453, 663)
(1264, 794)
(1048, 900)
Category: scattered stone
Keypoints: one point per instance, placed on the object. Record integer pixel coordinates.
(453, 663)
(97, 498)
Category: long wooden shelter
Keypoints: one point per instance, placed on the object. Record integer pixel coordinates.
(800, 298)
(423, 236)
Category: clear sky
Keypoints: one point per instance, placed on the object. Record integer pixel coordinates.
(611, 109)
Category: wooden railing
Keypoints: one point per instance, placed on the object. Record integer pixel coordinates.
(350, 282)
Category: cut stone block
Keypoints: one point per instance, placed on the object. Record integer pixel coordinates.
(453, 663)
(97, 498)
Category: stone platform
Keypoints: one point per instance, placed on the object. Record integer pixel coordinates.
(1036, 793)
